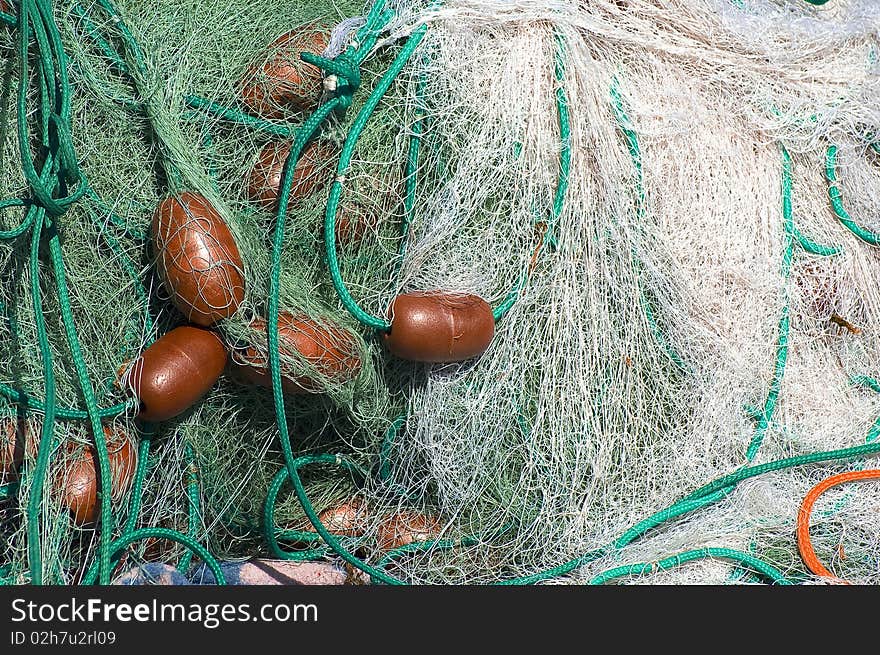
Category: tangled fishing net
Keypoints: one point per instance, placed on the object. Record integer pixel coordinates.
(667, 212)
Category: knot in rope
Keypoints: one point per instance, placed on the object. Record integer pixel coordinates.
(60, 169)
(342, 72)
(345, 68)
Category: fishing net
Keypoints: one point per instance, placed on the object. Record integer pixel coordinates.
(670, 207)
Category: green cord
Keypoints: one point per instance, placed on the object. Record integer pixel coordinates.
(237, 116)
(193, 517)
(65, 413)
(25, 225)
(815, 248)
(866, 381)
(766, 416)
(372, 102)
(703, 553)
(8, 490)
(412, 166)
(357, 128)
(136, 496)
(162, 533)
(91, 405)
(60, 170)
(272, 535)
(706, 495)
(632, 142)
(35, 496)
(308, 129)
(869, 237)
(564, 119)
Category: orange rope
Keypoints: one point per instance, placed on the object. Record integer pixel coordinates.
(808, 554)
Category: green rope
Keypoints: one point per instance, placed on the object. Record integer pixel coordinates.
(193, 517)
(632, 142)
(51, 191)
(89, 395)
(272, 535)
(564, 119)
(162, 533)
(703, 497)
(65, 413)
(137, 487)
(815, 248)
(682, 558)
(785, 320)
(866, 381)
(372, 102)
(357, 128)
(25, 225)
(35, 495)
(869, 237)
(237, 116)
(706, 495)
(412, 166)
(304, 134)
(136, 496)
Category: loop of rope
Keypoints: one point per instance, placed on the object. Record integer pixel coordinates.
(805, 545)
(272, 535)
(744, 559)
(372, 102)
(348, 301)
(868, 236)
(171, 535)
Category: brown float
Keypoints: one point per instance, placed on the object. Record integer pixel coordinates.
(197, 258)
(78, 480)
(310, 175)
(439, 327)
(346, 519)
(331, 350)
(175, 372)
(280, 81)
(404, 528)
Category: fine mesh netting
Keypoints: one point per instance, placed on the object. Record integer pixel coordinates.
(672, 208)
